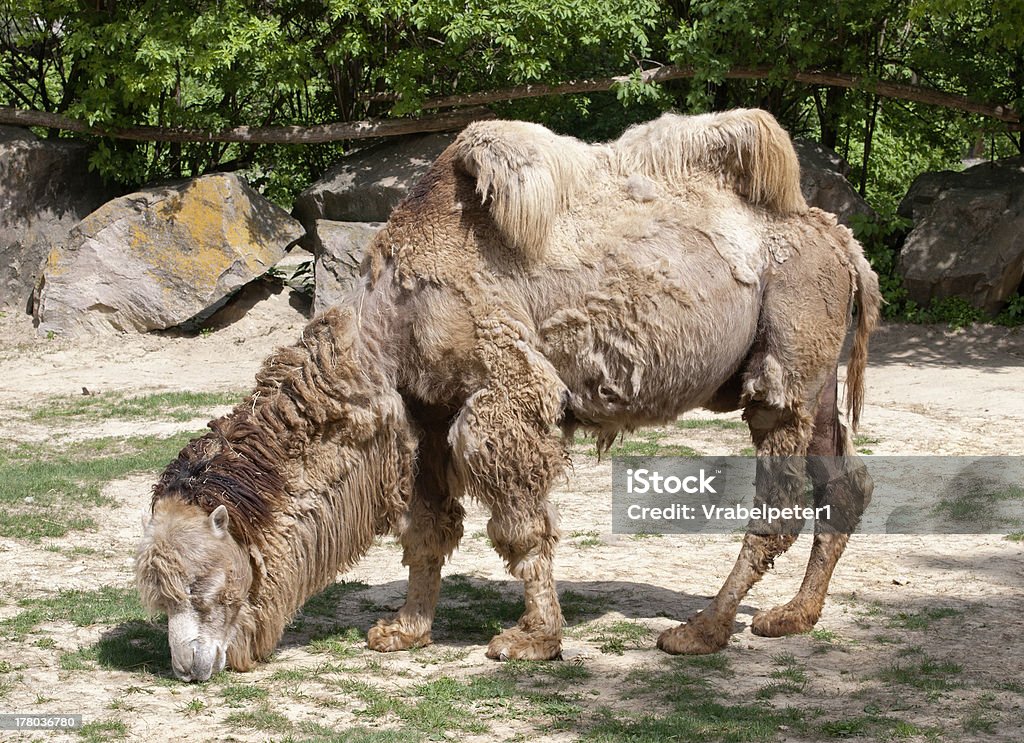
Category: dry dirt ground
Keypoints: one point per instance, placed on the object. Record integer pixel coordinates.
(920, 638)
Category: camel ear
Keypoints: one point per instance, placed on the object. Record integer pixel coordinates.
(219, 520)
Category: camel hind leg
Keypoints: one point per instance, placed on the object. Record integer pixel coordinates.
(841, 483)
(429, 533)
(804, 317)
(781, 436)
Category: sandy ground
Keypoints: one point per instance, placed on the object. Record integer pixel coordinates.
(931, 391)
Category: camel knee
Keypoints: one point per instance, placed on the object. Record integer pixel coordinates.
(844, 485)
(760, 550)
(525, 541)
(778, 431)
(430, 531)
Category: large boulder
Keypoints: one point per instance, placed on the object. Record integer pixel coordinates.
(45, 189)
(968, 235)
(366, 185)
(161, 257)
(823, 181)
(338, 249)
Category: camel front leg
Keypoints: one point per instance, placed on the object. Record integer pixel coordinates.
(781, 437)
(527, 546)
(429, 533)
(507, 451)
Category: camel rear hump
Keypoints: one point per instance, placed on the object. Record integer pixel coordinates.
(745, 150)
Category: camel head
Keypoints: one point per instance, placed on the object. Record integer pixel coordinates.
(190, 566)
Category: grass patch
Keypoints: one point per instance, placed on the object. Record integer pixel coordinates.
(238, 695)
(788, 679)
(980, 721)
(83, 659)
(193, 706)
(475, 612)
(325, 603)
(312, 732)
(586, 539)
(444, 706)
(863, 443)
(343, 644)
(927, 674)
(977, 505)
(616, 637)
(1015, 536)
(923, 619)
(99, 731)
(681, 707)
(82, 608)
(576, 606)
(262, 719)
(874, 727)
(649, 445)
(135, 646)
(45, 490)
(471, 611)
(716, 662)
(542, 671)
(824, 635)
(178, 406)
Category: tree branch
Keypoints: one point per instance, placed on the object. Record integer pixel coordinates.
(456, 120)
(256, 135)
(903, 91)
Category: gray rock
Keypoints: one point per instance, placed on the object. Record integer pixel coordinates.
(366, 185)
(338, 252)
(161, 257)
(45, 189)
(968, 235)
(823, 182)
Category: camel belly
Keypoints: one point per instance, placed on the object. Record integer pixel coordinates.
(648, 341)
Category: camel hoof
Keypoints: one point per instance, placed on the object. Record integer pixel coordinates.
(695, 637)
(518, 644)
(389, 636)
(781, 621)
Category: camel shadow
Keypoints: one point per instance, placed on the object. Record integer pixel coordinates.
(136, 645)
(472, 610)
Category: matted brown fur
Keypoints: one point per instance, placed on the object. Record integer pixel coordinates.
(531, 283)
(315, 464)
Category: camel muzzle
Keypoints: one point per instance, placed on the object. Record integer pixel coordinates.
(192, 658)
(197, 662)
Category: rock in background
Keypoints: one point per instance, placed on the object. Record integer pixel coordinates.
(45, 189)
(157, 258)
(343, 210)
(366, 185)
(968, 235)
(338, 252)
(823, 181)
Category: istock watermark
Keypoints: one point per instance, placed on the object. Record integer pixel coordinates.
(902, 495)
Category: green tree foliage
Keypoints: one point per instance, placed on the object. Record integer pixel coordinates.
(213, 64)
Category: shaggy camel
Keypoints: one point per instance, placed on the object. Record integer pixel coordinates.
(530, 284)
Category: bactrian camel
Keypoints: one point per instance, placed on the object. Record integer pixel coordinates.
(529, 284)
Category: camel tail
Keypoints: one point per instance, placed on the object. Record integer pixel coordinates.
(868, 299)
